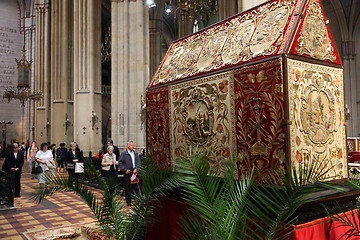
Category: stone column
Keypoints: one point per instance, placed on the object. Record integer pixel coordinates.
(227, 8)
(351, 96)
(155, 35)
(129, 70)
(186, 23)
(87, 74)
(239, 5)
(42, 71)
(61, 71)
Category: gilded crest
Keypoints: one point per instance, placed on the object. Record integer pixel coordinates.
(317, 132)
(314, 38)
(317, 112)
(200, 116)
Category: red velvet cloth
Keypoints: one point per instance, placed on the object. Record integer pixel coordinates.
(169, 214)
(260, 87)
(323, 229)
(158, 132)
(355, 158)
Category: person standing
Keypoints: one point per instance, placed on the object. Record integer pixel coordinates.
(43, 158)
(73, 156)
(128, 163)
(13, 164)
(116, 149)
(108, 163)
(31, 153)
(60, 157)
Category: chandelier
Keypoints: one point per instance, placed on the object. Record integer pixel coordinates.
(22, 94)
(23, 91)
(192, 7)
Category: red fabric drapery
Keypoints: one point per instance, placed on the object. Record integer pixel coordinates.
(171, 211)
(324, 229)
(169, 215)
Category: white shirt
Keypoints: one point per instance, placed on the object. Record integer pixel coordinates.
(43, 156)
(15, 154)
(132, 154)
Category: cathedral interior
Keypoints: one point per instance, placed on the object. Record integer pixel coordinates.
(92, 67)
(87, 71)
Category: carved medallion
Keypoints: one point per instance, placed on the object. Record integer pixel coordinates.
(317, 112)
(237, 42)
(211, 50)
(198, 117)
(314, 38)
(268, 30)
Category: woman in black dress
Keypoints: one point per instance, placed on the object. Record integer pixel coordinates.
(73, 156)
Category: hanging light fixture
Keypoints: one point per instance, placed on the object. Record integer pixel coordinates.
(23, 92)
(151, 3)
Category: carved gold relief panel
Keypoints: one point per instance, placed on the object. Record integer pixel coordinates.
(316, 111)
(201, 115)
(257, 33)
(314, 37)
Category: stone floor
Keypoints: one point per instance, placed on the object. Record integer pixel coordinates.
(60, 210)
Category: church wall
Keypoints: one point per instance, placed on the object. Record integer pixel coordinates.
(11, 42)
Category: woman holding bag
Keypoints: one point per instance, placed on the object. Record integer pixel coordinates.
(44, 158)
(108, 163)
(72, 157)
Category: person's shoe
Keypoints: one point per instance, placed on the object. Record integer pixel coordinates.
(17, 196)
(32, 178)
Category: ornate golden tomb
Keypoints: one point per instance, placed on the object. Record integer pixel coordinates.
(265, 86)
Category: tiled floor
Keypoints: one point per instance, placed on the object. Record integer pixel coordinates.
(60, 209)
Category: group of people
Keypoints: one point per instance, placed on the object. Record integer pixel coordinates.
(126, 163)
(46, 158)
(41, 161)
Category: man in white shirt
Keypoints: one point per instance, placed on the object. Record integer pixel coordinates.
(128, 163)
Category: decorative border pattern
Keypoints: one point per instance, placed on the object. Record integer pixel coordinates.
(316, 110)
(158, 132)
(201, 115)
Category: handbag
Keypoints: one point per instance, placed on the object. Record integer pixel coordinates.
(58, 158)
(36, 169)
(70, 166)
(134, 179)
(79, 167)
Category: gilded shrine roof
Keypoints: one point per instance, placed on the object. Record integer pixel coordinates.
(277, 27)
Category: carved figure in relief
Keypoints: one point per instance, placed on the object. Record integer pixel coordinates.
(314, 39)
(268, 30)
(317, 112)
(199, 119)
